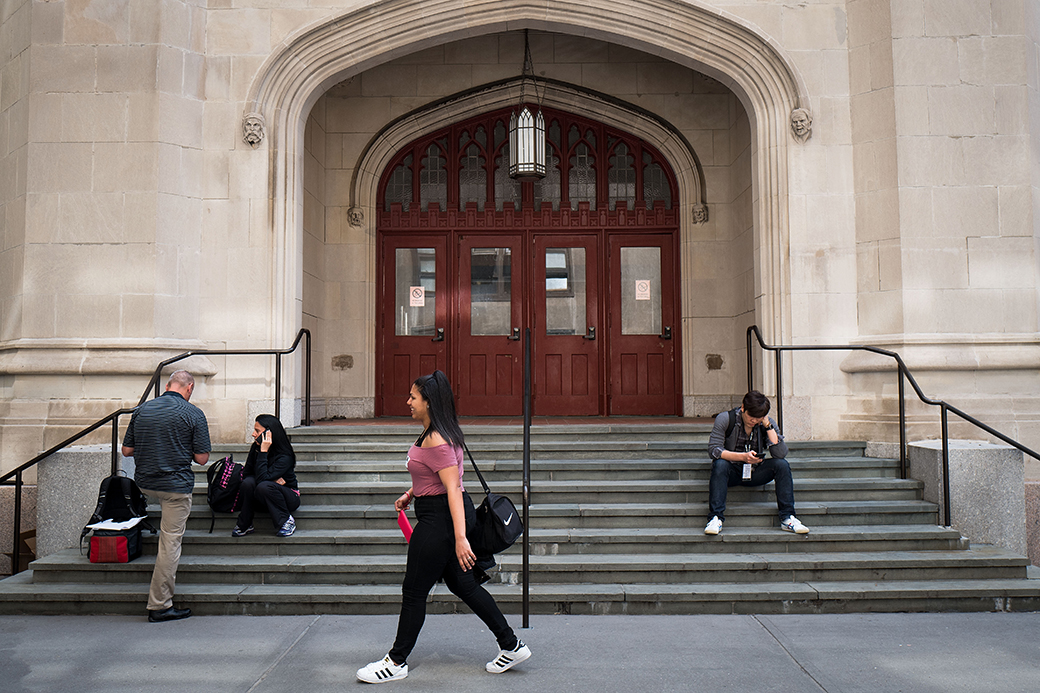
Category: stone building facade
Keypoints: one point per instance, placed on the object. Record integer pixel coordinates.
(199, 174)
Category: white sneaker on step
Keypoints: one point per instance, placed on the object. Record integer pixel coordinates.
(714, 526)
(792, 524)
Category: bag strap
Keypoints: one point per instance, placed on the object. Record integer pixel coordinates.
(487, 491)
(734, 414)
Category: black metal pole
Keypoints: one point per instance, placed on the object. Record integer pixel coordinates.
(750, 364)
(527, 480)
(16, 549)
(307, 385)
(778, 355)
(946, 464)
(278, 386)
(115, 444)
(902, 425)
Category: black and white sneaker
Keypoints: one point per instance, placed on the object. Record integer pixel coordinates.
(507, 659)
(382, 671)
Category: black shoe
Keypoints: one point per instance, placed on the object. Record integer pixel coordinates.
(171, 614)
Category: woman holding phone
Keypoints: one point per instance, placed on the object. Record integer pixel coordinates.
(269, 479)
(439, 549)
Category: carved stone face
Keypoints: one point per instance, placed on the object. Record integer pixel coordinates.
(700, 214)
(356, 216)
(253, 129)
(801, 123)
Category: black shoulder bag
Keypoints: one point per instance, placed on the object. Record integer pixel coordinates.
(498, 523)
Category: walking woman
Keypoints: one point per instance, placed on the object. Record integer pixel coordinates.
(269, 479)
(439, 548)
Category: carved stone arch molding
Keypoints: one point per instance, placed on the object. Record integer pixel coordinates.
(688, 33)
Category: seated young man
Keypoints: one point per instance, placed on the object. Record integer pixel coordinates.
(737, 450)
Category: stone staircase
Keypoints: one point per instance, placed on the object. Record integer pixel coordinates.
(616, 526)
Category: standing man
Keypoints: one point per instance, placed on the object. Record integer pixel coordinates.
(165, 436)
(737, 447)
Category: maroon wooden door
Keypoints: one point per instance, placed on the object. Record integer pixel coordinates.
(642, 325)
(565, 319)
(413, 318)
(490, 289)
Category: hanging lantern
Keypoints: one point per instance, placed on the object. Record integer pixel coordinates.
(527, 145)
(526, 131)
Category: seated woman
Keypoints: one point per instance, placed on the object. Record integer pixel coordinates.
(269, 481)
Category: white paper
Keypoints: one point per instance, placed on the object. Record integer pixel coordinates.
(747, 471)
(416, 296)
(112, 524)
(642, 289)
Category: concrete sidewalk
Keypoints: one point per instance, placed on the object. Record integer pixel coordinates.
(848, 653)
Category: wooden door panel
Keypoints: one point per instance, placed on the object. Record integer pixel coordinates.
(642, 325)
(489, 310)
(407, 331)
(565, 312)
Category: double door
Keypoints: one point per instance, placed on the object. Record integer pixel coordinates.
(600, 307)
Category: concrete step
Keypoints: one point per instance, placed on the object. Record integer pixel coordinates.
(19, 595)
(751, 568)
(620, 492)
(740, 513)
(584, 541)
(584, 470)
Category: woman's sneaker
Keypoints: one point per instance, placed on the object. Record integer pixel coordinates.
(382, 671)
(507, 659)
(239, 532)
(288, 528)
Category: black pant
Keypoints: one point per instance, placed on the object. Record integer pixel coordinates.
(275, 498)
(431, 556)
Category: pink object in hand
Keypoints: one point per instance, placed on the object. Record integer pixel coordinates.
(405, 525)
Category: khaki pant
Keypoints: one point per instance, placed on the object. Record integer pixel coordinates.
(175, 510)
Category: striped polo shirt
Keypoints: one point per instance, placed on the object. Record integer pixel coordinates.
(165, 433)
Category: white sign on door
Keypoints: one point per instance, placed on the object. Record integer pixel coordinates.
(416, 296)
(642, 289)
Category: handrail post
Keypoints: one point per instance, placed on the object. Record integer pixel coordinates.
(779, 390)
(946, 464)
(307, 385)
(16, 548)
(115, 445)
(527, 480)
(902, 425)
(278, 386)
(750, 364)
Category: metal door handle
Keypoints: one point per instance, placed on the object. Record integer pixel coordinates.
(667, 333)
(440, 335)
(516, 334)
(591, 334)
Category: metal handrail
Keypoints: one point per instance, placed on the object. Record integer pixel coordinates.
(114, 419)
(904, 372)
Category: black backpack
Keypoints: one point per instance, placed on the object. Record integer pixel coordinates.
(223, 480)
(119, 500)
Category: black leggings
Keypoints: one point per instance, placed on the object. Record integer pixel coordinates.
(431, 556)
(275, 498)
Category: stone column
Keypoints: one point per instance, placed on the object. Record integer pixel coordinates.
(68, 491)
(987, 489)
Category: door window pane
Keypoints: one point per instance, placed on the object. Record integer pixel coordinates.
(416, 291)
(565, 291)
(641, 290)
(491, 291)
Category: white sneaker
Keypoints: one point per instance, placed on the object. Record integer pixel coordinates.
(382, 671)
(507, 659)
(792, 524)
(714, 526)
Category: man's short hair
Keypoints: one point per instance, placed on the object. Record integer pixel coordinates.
(182, 379)
(755, 404)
